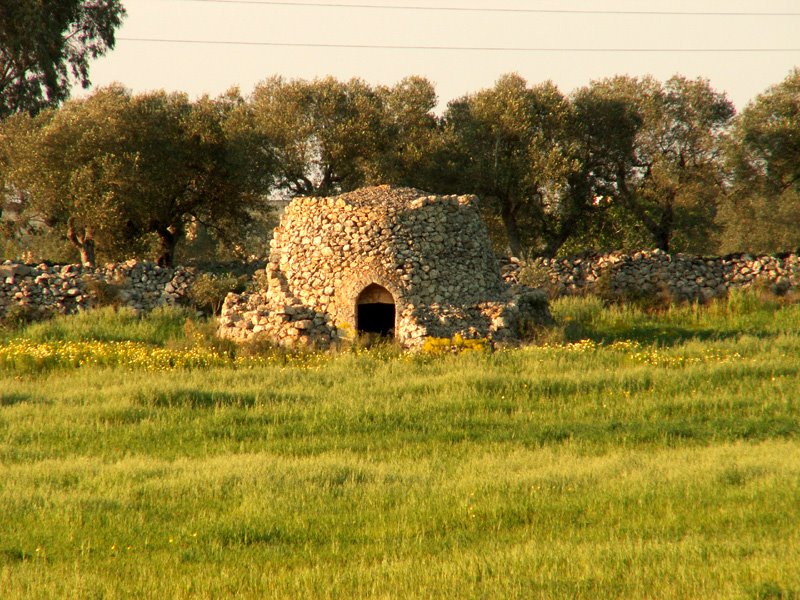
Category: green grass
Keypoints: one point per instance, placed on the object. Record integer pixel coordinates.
(106, 325)
(659, 460)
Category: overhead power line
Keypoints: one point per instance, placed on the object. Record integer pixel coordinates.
(467, 9)
(450, 48)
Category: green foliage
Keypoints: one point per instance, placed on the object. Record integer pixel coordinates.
(623, 163)
(111, 324)
(208, 291)
(104, 293)
(534, 321)
(17, 316)
(46, 45)
(760, 213)
(113, 169)
(659, 297)
(513, 148)
(662, 144)
(620, 158)
(37, 244)
(325, 136)
(748, 311)
(537, 276)
(323, 131)
(760, 222)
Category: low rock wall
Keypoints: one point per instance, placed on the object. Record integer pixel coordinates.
(60, 289)
(651, 273)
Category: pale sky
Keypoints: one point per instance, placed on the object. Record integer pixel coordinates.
(199, 68)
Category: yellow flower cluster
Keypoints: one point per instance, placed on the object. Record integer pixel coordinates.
(661, 357)
(456, 344)
(27, 355)
(23, 355)
(649, 355)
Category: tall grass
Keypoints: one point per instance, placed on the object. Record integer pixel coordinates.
(106, 325)
(661, 463)
(741, 312)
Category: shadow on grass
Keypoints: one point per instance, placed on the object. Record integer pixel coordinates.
(14, 398)
(193, 398)
(13, 555)
(770, 590)
(200, 398)
(660, 335)
(674, 431)
(670, 433)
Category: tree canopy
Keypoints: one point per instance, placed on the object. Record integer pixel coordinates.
(663, 145)
(624, 162)
(762, 211)
(46, 45)
(114, 168)
(513, 151)
(327, 136)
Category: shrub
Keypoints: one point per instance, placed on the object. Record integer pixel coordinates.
(105, 293)
(17, 316)
(202, 334)
(208, 291)
(259, 281)
(537, 276)
(654, 299)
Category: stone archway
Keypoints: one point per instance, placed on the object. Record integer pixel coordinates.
(375, 311)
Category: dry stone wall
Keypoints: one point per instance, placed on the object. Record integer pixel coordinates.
(428, 256)
(431, 256)
(649, 273)
(61, 289)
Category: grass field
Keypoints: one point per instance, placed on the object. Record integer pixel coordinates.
(633, 455)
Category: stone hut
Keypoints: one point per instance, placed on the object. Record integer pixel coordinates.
(384, 260)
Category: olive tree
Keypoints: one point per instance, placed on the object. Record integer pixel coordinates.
(761, 211)
(111, 170)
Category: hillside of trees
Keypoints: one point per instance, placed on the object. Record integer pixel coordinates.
(622, 163)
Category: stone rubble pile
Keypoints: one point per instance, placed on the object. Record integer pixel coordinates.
(61, 289)
(648, 273)
(428, 255)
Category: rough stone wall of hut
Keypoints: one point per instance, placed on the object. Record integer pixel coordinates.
(431, 253)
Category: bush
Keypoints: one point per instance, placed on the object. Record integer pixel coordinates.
(259, 281)
(19, 315)
(537, 276)
(208, 291)
(202, 334)
(105, 293)
(656, 299)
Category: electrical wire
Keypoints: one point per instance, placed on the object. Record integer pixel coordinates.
(451, 48)
(505, 10)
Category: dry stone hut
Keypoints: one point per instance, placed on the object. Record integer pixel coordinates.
(385, 260)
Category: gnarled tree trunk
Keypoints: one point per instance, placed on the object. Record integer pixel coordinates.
(169, 237)
(83, 239)
(508, 213)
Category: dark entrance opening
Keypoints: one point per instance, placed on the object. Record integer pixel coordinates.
(375, 311)
(376, 318)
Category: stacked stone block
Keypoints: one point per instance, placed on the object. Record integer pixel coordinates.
(61, 289)
(648, 273)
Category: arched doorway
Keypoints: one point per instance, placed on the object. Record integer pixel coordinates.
(375, 312)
